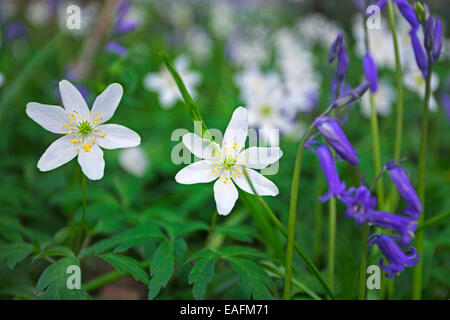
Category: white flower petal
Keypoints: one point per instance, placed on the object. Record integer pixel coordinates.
(201, 148)
(106, 103)
(197, 172)
(236, 131)
(92, 162)
(262, 185)
(259, 158)
(225, 194)
(50, 117)
(117, 136)
(72, 99)
(58, 153)
(134, 161)
(153, 81)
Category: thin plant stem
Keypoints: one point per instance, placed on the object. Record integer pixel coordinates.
(433, 221)
(418, 270)
(83, 214)
(211, 228)
(318, 217)
(363, 265)
(331, 240)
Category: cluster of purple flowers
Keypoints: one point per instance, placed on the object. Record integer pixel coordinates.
(427, 52)
(361, 204)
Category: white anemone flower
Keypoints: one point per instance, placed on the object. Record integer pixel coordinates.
(229, 164)
(163, 82)
(134, 161)
(84, 131)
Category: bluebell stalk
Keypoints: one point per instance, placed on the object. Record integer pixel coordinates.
(335, 136)
(405, 189)
(349, 97)
(396, 258)
(335, 186)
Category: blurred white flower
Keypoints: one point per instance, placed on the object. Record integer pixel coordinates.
(39, 13)
(83, 130)
(134, 161)
(199, 43)
(165, 85)
(2, 79)
(248, 51)
(413, 80)
(384, 97)
(319, 29)
(380, 42)
(229, 164)
(222, 18)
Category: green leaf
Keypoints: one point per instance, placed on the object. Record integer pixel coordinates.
(204, 253)
(242, 251)
(201, 273)
(14, 253)
(252, 278)
(126, 265)
(240, 233)
(54, 281)
(55, 251)
(161, 268)
(125, 240)
(180, 248)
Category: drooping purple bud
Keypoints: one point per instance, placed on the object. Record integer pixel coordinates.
(335, 136)
(335, 186)
(335, 47)
(396, 258)
(408, 13)
(429, 34)
(437, 45)
(347, 98)
(342, 63)
(359, 205)
(405, 189)
(402, 225)
(371, 72)
(419, 53)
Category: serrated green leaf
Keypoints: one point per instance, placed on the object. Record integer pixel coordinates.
(55, 251)
(161, 268)
(242, 251)
(253, 280)
(125, 240)
(201, 273)
(180, 248)
(126, 265)
(54, 281)
(204, 253)
(14, 253)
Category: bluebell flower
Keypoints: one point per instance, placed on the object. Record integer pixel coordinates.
(360, 204)
(419, 53)
(371, 72)
(396, 258)
(335, 136)
(405, 9)
(402, 225)
(405, 189)
(335, 186)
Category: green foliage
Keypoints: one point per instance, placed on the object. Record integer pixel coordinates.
(126, 265)
(15, 252)
(161, 268)
(53, 281)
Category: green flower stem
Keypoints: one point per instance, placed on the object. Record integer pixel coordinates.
(418, 270)
(211, 228)
(331, 240)
(83, 214)
(363, 265)
(393, 197)
(318, 217)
